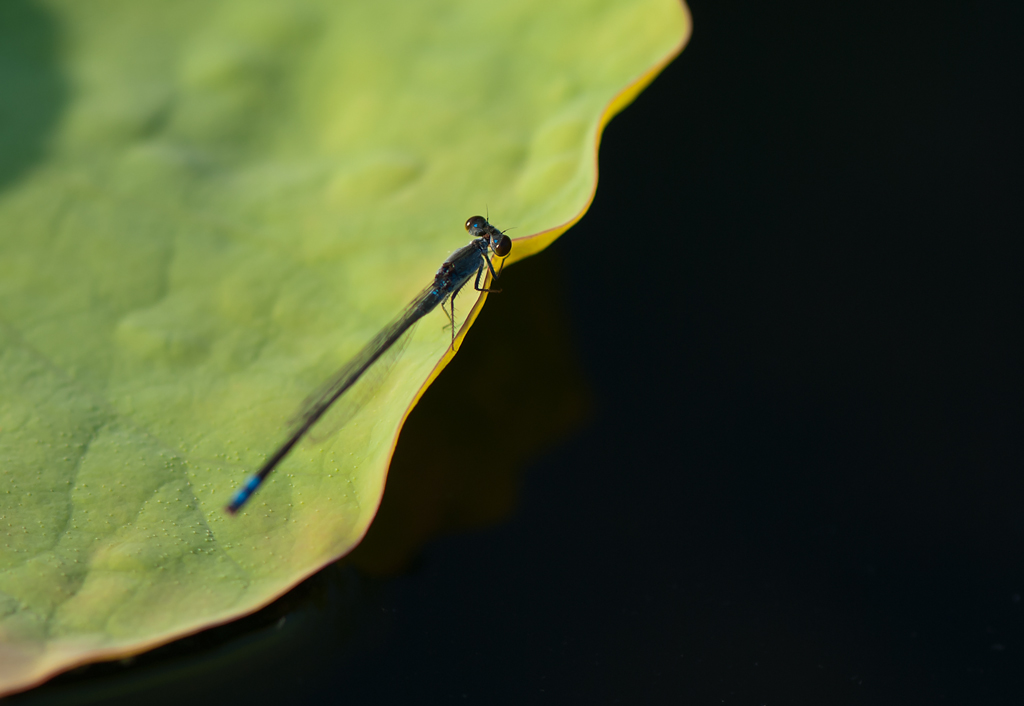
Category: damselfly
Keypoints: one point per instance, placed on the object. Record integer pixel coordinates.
(452, 276)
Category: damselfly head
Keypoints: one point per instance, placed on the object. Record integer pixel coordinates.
(500, 243)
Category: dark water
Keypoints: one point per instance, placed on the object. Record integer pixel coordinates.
(778, 373)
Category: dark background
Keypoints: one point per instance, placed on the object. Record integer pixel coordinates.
(780, 364)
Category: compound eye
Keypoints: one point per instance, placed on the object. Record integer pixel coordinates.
(503, 246)
(476, 223)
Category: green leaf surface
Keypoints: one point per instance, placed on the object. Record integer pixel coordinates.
(205, 209)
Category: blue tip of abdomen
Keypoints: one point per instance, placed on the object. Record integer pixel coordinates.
(243, 494)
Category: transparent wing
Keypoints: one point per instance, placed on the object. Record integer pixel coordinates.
(352, 402)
